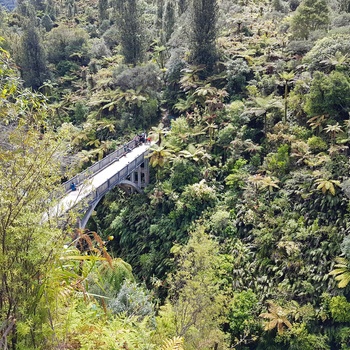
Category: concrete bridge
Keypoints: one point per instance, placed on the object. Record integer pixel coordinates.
(126, 167)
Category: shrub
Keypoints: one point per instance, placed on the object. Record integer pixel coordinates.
(62, 42)
(132, 300)
(64, 67)
(241, 314)
(110, 37)
(340, 309)
(342, 20)
(317, 144)
(299, 47)
(134, 78)
(237, 74)
(329, 94)
(345, 247)
(98, 49)
(326, 48)
(46, 22)
(278, 163)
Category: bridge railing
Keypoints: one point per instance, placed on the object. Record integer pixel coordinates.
(101, 190)
(121, 175)
(98, 166)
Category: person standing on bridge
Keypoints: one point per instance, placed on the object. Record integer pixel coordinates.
(143, 137)
(127, 149)
(73, 187)
(137, 140)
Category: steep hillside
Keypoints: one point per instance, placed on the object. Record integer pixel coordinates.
(241, 240)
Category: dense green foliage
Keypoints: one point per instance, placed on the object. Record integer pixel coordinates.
(241, 239)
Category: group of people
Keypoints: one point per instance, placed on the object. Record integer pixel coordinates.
(141, 138)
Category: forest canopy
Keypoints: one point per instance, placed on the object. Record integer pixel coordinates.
(241, 238)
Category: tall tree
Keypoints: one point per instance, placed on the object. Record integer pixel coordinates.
(160, 13)
(344, 5)
(131, 32)
(169, 19)
(39, 5)
(203, 33)
(182, 5)
(26, 9)
(103, 9)
(29, 172)
(286, 76)
(32, 58)
(309, 16)
(116, 6)
(196, 298)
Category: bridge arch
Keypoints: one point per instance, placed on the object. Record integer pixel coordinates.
(124, 183)
(130, 185)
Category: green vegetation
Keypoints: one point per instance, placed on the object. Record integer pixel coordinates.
(241, 240)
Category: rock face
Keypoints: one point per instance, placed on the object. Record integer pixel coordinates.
(9, 4)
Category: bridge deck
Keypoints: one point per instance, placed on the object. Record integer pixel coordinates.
(71, 199)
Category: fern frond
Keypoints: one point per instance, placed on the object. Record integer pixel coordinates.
(175, 343)
(343, 281)
(341, 272)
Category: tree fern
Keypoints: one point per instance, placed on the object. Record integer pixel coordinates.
(277, 318)
(341, 272)
(175, 343)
